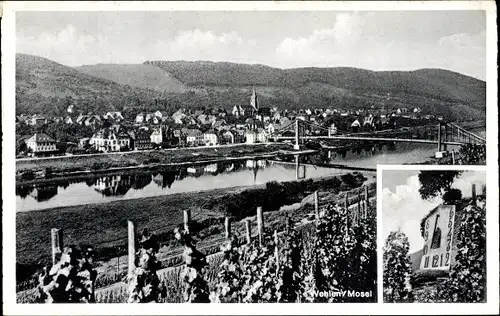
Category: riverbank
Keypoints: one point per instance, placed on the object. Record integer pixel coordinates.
(28, 171)
(104, 225)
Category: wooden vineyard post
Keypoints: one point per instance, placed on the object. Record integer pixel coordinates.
(316, 205)
(227, 226)
(56, 236)
(474, 197)
(483, 191)
(276, 250)
(131, 247)
(249, 231)
(367, 202)
(360, 204)
(187, 219)
(260, 225)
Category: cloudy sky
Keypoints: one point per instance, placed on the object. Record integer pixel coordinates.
(397, 40)
(402, 206)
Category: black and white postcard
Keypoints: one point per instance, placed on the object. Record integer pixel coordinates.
(434, 230)
(195, 154)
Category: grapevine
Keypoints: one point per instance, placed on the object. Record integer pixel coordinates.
(467, 281)
(71, 280)
(260, 281)
(308, 267)
(363, 257)
(196, 288)
(229, 278)
(144, 284)
(397, 269)
(334, 243)
(289, 267)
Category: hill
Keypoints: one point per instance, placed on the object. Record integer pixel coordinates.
(44, 86)
(136, 75)
(435, 90)
(415, 259)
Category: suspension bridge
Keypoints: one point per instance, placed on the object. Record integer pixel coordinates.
(441, 135)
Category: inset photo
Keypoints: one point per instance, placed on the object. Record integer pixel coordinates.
(434, 235)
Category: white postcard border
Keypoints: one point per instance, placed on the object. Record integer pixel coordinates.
(8, 165)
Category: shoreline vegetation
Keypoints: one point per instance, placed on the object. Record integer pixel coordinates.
(36, 169)
(103, 225)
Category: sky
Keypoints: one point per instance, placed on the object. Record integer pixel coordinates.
(383, 40)
(403, 208)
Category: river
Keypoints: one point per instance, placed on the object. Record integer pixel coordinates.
(97, 189)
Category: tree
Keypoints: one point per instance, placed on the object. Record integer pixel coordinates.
(434, 183)
(397, 269)
(21, 146)
(143, 282)
(452, 195)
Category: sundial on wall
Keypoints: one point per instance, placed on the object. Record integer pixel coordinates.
(438, 239)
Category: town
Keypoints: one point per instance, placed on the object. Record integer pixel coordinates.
(80, 133)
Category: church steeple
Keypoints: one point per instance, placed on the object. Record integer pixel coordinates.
(254, 102)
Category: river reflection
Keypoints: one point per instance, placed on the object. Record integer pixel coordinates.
(154, 182)
(149, 183)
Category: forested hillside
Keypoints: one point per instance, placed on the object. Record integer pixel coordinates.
(44, 86)
(139, 76)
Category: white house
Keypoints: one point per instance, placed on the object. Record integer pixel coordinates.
(355, 126)
(210, 138)
(41, 143)
(228, 137)
(158, 114)
(36, 120)
(179, 116)
(251, 137)
(139, 118)
(270, 128)
(332, 130)
(116, 116)
(238, 111)
(155, 120)
(194, 137)
(107, 140)
(368, 121)
(261, 135)
(256, 136)
(68, 120)
(157, 136)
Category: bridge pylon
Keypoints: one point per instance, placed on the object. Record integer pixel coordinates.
(441, 146)
(296, 146)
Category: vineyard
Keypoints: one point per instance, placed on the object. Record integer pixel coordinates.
(463, 282)
(299, 259)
